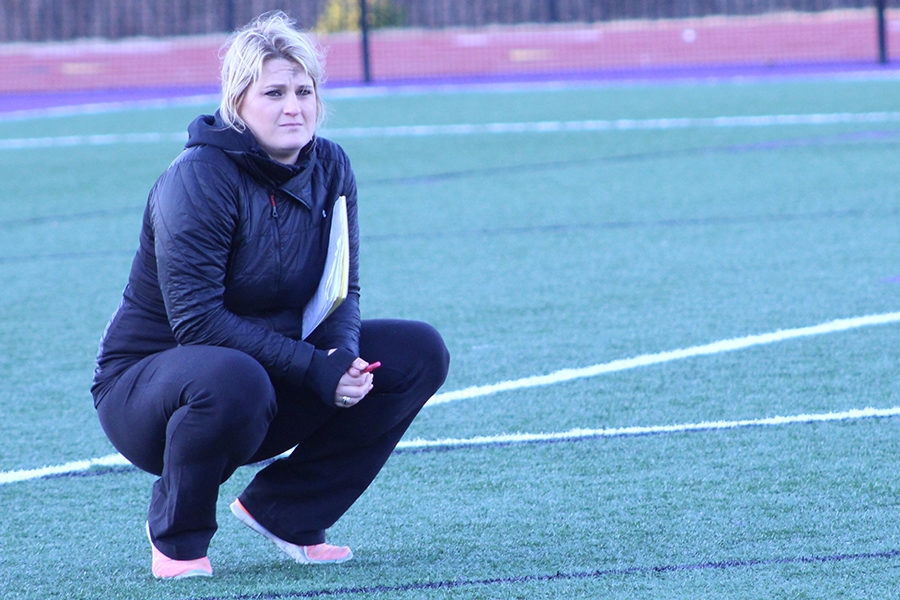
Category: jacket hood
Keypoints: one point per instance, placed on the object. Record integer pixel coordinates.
(245, 151)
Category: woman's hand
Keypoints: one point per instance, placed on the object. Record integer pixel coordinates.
(353, 385)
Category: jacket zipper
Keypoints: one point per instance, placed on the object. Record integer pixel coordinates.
(277, 236)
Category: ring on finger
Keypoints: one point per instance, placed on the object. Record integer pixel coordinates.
(345, 401)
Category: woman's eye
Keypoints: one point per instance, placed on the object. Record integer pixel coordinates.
(273, 93)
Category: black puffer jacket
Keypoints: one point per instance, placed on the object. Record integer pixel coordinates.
(232, 247)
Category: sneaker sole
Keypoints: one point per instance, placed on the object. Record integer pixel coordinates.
(295, 552)
(186, 574)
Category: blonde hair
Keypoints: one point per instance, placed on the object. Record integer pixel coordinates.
(271, 35)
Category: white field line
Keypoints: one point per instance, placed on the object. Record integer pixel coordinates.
(99, 108)
(719, 347)
(660, 124)
(644, 360)
(608, 432)
(75, 466)
(517, 438)
(111, 139)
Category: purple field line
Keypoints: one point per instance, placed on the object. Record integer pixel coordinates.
(559, 576)
(18, 102)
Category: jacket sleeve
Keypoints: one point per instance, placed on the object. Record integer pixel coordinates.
(194, 216)
(341, 328)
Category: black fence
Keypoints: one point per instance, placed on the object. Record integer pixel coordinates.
(449, 13)
(58, 20)
(56, 45)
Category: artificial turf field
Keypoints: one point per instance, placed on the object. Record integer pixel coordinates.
(566, 241)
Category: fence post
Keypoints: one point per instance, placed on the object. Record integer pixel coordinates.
(364, 27)
(880, 6)
(229, 16)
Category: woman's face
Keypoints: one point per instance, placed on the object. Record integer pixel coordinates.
(280, 109)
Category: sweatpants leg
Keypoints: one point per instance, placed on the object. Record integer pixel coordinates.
(191, 415)
(341, 450)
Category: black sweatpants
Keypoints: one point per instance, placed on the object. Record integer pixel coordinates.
(194, 414)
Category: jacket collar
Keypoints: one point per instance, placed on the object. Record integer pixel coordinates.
(243, 148)
(293, 180)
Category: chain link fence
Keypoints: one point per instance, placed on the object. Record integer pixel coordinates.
(65, 45)
(57, 20)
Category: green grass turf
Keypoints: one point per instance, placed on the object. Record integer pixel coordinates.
(531, 253)
(601, 505)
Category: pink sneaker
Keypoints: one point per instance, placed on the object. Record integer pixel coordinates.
(164, 567)
(319, 554)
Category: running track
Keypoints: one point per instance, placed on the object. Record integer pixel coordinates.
(709, 47)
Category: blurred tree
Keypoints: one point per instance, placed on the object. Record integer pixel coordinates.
(343, 15)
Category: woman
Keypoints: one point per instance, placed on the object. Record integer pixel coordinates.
(202, 367)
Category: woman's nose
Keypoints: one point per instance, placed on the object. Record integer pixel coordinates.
(291, 105)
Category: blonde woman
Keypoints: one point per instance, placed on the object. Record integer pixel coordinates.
(202, 368)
